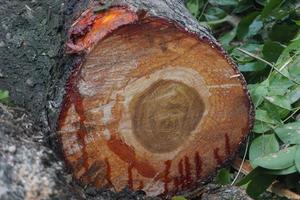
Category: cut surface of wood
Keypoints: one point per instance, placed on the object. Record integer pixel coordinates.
(150, 106)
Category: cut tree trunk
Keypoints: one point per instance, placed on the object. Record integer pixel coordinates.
(153, 101)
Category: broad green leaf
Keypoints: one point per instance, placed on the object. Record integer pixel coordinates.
(223, 177)
(255, 27)
(259, 184)
(283, 32)
(272, 50)
(297, 158)
(275, 111)
(292, 50)
(263, 116)
(252, 66)
(243, 6)
(269, 7)
(262, 146)
(258, 92)
(214, 13)
(279, 85)
(4, 96)
(281, 101)
(277, 161)
(289, 133)
(289, 170)
(224, 2)
(243, 27)
(261, 127)
(258, 171)
(294, 96)
(227, 38)
(243, 58)
(194, 6)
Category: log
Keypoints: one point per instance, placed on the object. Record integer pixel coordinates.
(153, 102)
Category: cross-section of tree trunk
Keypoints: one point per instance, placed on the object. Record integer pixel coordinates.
(153, 103)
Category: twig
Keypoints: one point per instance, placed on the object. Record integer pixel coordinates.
(268, 63)
(241, 166)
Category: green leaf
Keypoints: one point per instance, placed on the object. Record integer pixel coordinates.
(223, 177)
(275, 111)
(4, 96)
(272, 50)
(214, 13)
(277, 161)
(283, 32)
(258, 92)
(261, 127)
(193, 6)
(224, 2)
(262, 146)
(281, 101)
(279, 85)
(243, 27)
(243, 6)
(289, 133)
(289, 170)
(252, 66)
(272, 4)
(294, 96)
(293, 50)
(263, 116)
(243, 58)
(259, 184)
(227, 38)
(255, 27)
(297, 158)
(246, 179)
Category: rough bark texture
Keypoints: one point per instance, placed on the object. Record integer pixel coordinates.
(35, 70)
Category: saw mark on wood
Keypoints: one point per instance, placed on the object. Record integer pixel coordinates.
(198, 165)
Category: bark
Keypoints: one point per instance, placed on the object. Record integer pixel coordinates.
(34, 39)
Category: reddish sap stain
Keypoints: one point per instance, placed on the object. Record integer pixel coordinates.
(73, 97)
(188, 178)
(227, 144)
(217, 156)
(180, 170)
(130, 181)
(141, 186)
(176, 184)
(198, 164)
(108, 171)
(92, 27)
(166, 175)
(121, 149)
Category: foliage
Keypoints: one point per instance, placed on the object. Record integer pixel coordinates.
(262, 36)
(4, 96)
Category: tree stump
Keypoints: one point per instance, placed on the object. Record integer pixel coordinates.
(153, 101)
